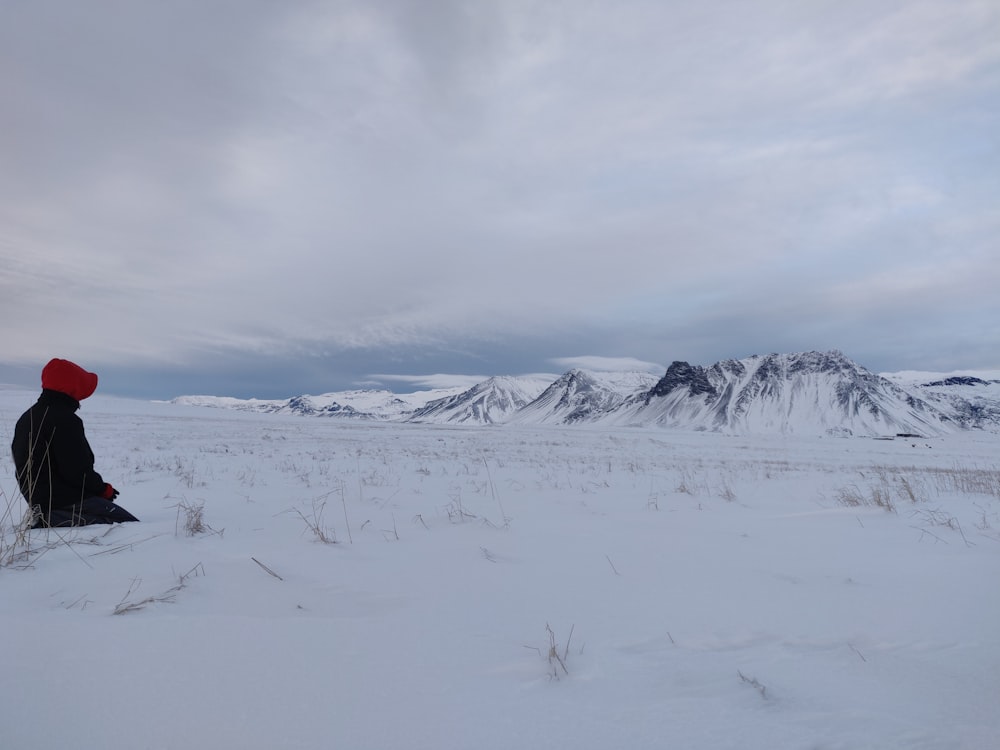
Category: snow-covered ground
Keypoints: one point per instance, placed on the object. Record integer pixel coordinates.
(506, 587)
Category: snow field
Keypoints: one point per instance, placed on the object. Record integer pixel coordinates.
(702, 591)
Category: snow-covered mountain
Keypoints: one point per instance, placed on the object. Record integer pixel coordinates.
(802, 393)
(583, 396)
(379, 405)
(492, 401)
(972, 401)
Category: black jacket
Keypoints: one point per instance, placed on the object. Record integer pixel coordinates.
(54, 462)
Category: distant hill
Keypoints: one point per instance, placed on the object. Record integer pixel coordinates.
(379, 405)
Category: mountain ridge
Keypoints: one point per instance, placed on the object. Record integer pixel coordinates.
(808, 392)
(799, 393)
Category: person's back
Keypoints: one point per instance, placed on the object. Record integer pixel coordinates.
(54, 461)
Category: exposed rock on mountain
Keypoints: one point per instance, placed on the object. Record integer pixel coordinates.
(959, 380)
(683, 375)
(973, 403)
(811, 392)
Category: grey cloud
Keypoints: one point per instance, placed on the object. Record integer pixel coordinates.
(186, 181)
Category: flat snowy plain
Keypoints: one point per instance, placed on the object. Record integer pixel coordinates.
(505, 587)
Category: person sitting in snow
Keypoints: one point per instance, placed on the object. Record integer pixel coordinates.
(54, 462)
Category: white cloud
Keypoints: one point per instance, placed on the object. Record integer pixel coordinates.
(431, 382)
(608, 364)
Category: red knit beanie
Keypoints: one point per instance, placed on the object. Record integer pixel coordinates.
(64, 376)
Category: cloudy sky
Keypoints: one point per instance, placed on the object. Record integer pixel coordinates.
(259, 198)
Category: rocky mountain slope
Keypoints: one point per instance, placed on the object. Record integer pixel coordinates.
(581, 396)
(492, 401)
(971, 402)
(810, 392)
